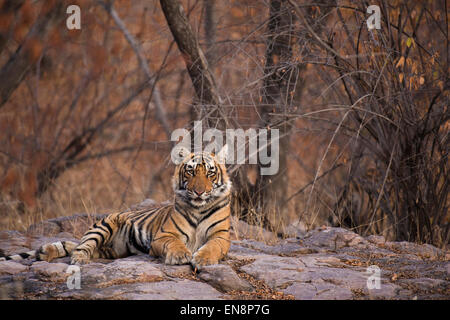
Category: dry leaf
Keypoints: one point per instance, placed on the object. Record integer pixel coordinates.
(409, 42)
(400, 62)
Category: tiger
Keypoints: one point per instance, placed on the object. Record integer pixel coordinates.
(194, 228)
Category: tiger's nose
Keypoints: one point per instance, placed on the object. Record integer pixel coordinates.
(199, 192)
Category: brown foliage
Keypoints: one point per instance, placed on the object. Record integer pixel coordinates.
(368, 111)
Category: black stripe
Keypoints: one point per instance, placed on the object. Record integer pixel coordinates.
(128, 248)
(216, 223)
(96, 226)
(64, 247)
(174, 235)
(107, 226)
(139, 215)
(166, 216)
(144, 219)
(95, 239)
(164, 236)
(213, 210)
(218, 231)
(145, 241)
(180, 178)
(101, 228)
(179, 229)
(97, 233)
(184, 215)
(8, 258)
(225, 200)
(83, 249)
(135, 243)
(24, 255)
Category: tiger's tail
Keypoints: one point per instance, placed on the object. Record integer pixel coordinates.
(46, 252)
(19, 256)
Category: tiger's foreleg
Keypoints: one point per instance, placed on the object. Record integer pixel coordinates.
(215, 248)
(171, 248)
(94, 242)
(50, 251)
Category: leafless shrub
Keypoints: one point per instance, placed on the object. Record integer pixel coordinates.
(389, 102)
(363, 114)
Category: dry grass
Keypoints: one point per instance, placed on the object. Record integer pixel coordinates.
(261, 290)
(83, 77)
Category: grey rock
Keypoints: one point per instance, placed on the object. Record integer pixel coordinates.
(163, 290)
(11, 267)
(243, 230)
(26, 286)
(239, 251)
(223, 278)
(171, 290)
(378, 240)
(295, 230)
(286, 247)
(386, 291)
(147, 203)
(333, 238)
(47, 228)
(128, 270)
(177, 271)
(328, 263)
(425, 250)
(426, 284)
(275, 271)
(93, 273)
(11, 290)
(12, 242)
(50, 271)
(318, 291)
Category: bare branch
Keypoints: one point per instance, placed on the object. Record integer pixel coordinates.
(160, 111)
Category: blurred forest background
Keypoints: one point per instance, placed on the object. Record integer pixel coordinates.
(86, 115)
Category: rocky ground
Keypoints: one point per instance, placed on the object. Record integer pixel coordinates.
(326, 263)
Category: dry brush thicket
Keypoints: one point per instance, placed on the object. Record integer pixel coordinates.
(86, 115)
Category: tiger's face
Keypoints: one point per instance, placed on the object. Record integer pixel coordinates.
(200, 179)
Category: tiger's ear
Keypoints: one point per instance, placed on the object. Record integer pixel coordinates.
(179, 153)
(221, 156)
(183, 152)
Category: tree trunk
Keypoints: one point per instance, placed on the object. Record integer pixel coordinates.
(9, 7)
(210, 31)
(283, 84)
(279, 81)
(196, 64)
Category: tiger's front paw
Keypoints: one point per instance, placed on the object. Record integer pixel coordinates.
(79, 258)
(178, 256)
(47, 252)
(203, 258)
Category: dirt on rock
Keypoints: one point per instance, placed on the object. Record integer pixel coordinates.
(326, 263)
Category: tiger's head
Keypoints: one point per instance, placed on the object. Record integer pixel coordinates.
(201, 178)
